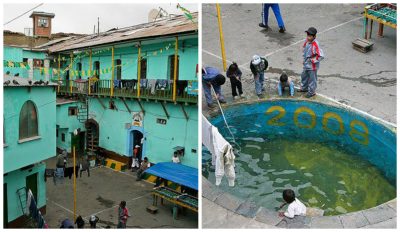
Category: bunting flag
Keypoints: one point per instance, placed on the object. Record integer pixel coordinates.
(185, 11)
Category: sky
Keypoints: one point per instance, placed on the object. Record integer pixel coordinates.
(80, 18)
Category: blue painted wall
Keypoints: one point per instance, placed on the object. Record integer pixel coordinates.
(359, 134)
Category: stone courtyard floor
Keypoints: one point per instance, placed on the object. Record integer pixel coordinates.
(101, 193)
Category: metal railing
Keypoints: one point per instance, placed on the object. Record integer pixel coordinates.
(128, 88)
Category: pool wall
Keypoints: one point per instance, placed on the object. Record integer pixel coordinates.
(359, 133)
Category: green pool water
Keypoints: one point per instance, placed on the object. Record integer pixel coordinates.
(323, 176)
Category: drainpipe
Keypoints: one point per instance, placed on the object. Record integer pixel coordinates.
(221, 37)
(59, 77)
(70, 71)
(112, 73)
(175, 68)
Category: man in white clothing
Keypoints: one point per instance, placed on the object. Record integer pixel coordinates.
(295, 207)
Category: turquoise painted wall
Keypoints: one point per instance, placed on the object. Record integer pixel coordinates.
(16, 180)
(157, 61)
(66, 124)
(18, 155)
(17, 54)
(160, 139)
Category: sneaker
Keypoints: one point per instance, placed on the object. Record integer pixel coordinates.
(222, 101)
(302, 90)
(260, 95)
(235, 97)
(210, 105)
(310, 95)
(262, 25)
(282, 30)
(242, 96)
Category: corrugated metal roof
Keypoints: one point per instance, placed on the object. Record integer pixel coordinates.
(175, 25)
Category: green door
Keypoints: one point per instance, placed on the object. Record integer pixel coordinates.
(5, 206)
(79, 142)
(32, 184)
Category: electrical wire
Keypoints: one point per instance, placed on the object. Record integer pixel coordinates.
(19, 16)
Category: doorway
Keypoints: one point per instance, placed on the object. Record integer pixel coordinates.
(92, 129)
(31, 183)
(137, 139)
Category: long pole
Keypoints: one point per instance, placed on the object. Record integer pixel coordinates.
(221, 37)
(74, 184)
(58, 72)
(112, 73)
(175, 69)
(139, 67)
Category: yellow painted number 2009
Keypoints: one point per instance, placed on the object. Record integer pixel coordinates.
(358, 130)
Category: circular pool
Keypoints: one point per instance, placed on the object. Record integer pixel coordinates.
(334, 158)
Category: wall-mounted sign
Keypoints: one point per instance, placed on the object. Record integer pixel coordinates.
(137, 119)
(162, 121)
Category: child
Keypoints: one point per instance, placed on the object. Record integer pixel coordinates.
(258, 65)
(175, 158)
(235, 76)
(295, 207)
(312, 55)
(135, 158)
(123, 215)
(284, 82)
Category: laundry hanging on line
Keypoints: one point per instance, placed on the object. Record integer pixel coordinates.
(223, 157)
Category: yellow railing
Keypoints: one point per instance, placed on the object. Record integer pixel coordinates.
(130, 88)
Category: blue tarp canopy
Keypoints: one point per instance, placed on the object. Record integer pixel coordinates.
(178, 173)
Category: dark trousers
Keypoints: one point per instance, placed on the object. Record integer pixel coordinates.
(236, 84)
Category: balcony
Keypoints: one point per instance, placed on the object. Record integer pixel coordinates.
(156, 90)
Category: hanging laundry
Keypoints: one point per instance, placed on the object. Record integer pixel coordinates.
(223, 157)
(33, 211)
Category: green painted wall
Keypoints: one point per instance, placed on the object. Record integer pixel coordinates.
(17, 54)
(66, 124)
(18, 155)
(160, 139)
(16, 180)
(157, 62)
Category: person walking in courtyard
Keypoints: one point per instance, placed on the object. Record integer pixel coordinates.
(285, 81)
(235, 76)
(123, 215)
(277, 13)
(84, 166)
(258, 65)
(212, 78)
(145, 165)
(312, 55)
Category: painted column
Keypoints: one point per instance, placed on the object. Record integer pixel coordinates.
(30, 73)
(47, 67)
(175, 68)
(139, 69)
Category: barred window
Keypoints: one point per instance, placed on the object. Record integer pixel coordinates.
(28, 121)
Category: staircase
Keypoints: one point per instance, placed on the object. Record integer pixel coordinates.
(22, 196)
(83, 109)
(92, 138)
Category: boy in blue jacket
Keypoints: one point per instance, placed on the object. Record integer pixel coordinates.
(312, 55)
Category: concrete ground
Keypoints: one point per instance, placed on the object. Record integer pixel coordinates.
(364, 81)
(101, 193)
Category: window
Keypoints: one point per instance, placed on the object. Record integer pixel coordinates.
(143, 69)
(79, 67)
(38, 63)
(171, 61)
(43, 22)
(57, 132)
(28, 121)
(97, 68)
(117, 69)
(63, 137)
(112, 106)
(72, 111)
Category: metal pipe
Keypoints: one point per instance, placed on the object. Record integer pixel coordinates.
(221, 37)
(175, 69)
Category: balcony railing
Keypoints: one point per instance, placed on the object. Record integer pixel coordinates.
(186, 91)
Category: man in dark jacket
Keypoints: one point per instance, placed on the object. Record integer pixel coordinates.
(212, 78)
(258, 65)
